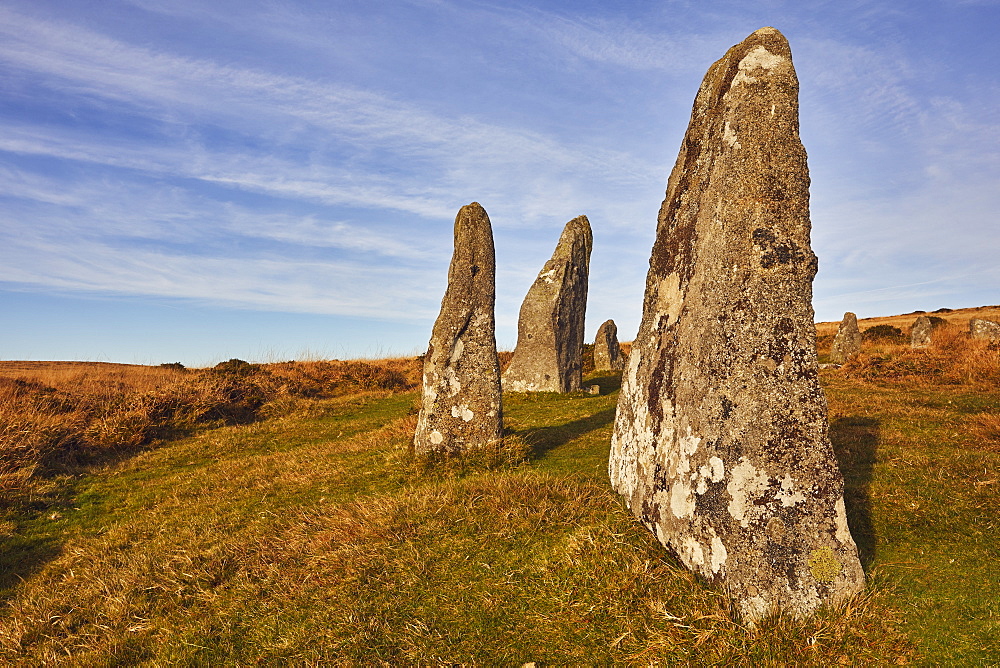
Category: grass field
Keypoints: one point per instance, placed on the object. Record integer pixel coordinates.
(309, 535)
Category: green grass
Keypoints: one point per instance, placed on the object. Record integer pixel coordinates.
(315, 538)
(926, 488)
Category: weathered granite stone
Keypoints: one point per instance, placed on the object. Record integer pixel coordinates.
(920, 332)
(461, 406)
(550, 331)
(984, 329)
(607, 352)
(721, 443)
(847, 342)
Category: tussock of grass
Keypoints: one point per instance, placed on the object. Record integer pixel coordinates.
(505, 452)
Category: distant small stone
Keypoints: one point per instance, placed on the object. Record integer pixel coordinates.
(594, 389)
(607, 351)
(920, 333)
(847, 342)
(984, 329)
(461, 407)
(550, 327)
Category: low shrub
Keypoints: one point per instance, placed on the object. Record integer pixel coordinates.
(883, 333)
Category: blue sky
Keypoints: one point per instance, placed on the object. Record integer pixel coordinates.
(198, 180)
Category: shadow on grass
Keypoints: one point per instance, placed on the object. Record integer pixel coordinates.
(22, 556)
(608, 383)
(543, 439)
(855, 441)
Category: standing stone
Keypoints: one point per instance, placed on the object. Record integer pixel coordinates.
(721, 443)
(607, 352)
(548, 355)
(984, 329)
(920, 332)
(461, 407)
(847, 342)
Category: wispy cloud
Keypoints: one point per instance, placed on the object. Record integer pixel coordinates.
(436, 155)
(315, 176)
(339, 287)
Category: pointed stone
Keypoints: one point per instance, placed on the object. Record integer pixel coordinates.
(984, 329)
(550, 326)
(461, 406)
(847, 342)
(920, 332)
(721, 444)
(607, 352)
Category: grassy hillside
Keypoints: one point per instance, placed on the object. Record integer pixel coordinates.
(307, 534)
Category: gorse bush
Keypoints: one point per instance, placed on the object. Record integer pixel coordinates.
(883, 333)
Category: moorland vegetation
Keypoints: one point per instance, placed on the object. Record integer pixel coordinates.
(275, 514)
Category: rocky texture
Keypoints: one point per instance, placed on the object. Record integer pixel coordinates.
(550, 326)
(847, 342)
(920, 332)
(607, 352)
(721, 443)
(984, 329)
(461, 385)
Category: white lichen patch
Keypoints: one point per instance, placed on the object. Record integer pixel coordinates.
(669, 298)
(462, 411)
(548, 276)
(760, 57)
(693, 551)
(681, 501)
(755, 607)
(746, 484)
(729, 136)
(436, 437)
(719, 553)
(718, 469)
(788, 497)
(840, 519)
(713, 471)
(757, 57)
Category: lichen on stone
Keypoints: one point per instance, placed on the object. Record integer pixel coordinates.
(824, 565)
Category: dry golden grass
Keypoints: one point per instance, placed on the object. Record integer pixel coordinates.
(954, 358)
(957, 317)
(233, 548)
(58, 414)
(312, 537)
(92, 377)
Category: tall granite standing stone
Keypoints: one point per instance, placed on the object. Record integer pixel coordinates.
(847, 342)
(461, 407)
(607, 351)
(721, 443)
(550, 326)
(920, 332)
(984, 329)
